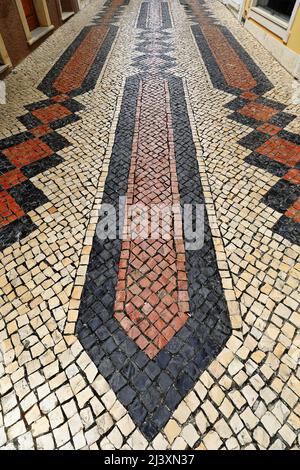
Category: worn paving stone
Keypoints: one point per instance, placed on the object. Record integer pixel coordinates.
(145, 344)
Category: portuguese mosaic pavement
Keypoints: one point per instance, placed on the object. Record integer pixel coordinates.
(146, 344)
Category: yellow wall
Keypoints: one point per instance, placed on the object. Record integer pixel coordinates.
(247, 5)
(294, 38)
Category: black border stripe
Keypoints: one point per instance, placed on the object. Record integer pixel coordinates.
(152, 389)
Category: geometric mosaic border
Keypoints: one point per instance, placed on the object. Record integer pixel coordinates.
(34, 151)
(274, 149)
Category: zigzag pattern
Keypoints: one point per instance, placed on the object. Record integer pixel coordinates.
(273, 148)
(32, 152)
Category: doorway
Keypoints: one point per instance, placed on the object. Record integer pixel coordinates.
(67, 9)
(30, 13)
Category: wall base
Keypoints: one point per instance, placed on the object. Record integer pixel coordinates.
(285, 56)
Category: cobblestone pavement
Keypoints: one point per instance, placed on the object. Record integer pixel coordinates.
(146, 344)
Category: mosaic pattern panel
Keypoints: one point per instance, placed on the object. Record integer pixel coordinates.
(274, 149)
(113, 382)
(153, 315)
(32, 152)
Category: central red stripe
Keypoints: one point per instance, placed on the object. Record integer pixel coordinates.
(152, 301)
(235, 71)
(75, 71)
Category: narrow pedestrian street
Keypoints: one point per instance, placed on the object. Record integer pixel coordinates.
(159, 342)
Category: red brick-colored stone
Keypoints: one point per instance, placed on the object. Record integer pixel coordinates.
(51, 113)
(11, 178)
(258, 111)
(281, 150)
(27, 152)
(9, 209)
(154, 265)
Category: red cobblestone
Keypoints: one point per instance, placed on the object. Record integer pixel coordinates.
(27, 152)
(281, 150)
(258, 111)
(9, 209)
(153, 265)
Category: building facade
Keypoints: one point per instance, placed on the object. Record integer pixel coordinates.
(276, 24)
(24, 24)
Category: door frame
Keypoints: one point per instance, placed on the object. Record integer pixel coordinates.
(42, 12)
(70, 12)
(4, 55)
(277, 26)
